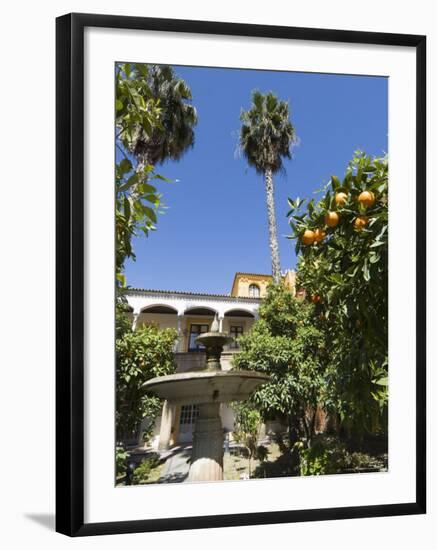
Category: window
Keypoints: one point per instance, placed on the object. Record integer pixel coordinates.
(253, 291)
(189, 414)
(235, 331)
(195, 331)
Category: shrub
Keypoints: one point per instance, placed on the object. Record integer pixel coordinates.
(285, 344)
(121, 456)
(145, 468)
(327, 455)
(141, 355)
(262, 453)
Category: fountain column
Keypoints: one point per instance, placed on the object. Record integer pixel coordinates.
(207, 455)
(167, 419)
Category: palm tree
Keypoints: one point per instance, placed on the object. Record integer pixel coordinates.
(266, 137)
(177, 120)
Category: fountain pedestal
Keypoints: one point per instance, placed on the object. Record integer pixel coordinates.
(207, 455)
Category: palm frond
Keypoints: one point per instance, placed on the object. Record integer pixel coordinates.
(266, 135)
(178, 117)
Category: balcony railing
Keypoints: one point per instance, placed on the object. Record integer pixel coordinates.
(186, 361)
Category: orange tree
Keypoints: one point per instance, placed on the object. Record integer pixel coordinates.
(285, 344)
(342, 247)
(141, 354)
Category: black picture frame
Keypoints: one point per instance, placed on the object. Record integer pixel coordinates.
(70, 273)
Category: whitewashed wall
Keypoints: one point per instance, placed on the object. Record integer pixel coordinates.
(180, 303)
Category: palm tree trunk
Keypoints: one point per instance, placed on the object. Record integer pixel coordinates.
(143, 161)
(273, 235)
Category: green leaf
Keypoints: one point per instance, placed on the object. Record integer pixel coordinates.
(375, 245)
(336, 278)
(125, 166)
(152, 198)
(146, 188)
(291, 204)
(335, 182)
(130, 182)
(365, 269)
(121, 279)
(160, 177)
(127, 209)
(150, 213)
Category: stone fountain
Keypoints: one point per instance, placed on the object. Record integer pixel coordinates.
(207, 388)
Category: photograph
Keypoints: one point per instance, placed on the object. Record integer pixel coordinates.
(222, 235)
(251, 274)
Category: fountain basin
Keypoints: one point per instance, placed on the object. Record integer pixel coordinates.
(207, 389)
(206, 386)
(213, 339)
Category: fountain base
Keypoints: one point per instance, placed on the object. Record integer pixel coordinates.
(207, 388)
(207, 455)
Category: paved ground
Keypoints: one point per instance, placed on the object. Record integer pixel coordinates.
(177, 465)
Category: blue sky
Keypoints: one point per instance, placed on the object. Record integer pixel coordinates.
(216, 221)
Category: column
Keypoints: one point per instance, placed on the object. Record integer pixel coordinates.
(167, 418)
(135, 320)
(180, 341)
(220, 319)
(176, 424)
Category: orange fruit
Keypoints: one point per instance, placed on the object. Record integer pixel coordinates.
(315, 298)
(308, 237)
(319, 235)
(340, 198)
(332, 219)
(360, 222)
(366, 199)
